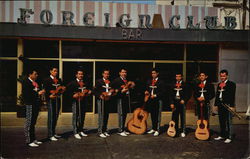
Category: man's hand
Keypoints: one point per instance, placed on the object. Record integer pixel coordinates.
(172, 106)
(124, 90)
(201, 99)
(52, 96)
(41, 92)
(76, 95)
(182, 102)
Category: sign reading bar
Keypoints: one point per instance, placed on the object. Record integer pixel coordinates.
(46, 17)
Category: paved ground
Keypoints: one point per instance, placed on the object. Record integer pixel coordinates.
(118, 147)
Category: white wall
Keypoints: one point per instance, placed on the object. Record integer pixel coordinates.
(236, 60)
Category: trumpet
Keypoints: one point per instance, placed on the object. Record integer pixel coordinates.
(231, 111)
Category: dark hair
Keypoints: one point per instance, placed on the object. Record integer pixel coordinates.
(106, 69)
(203, 73)
(81, 70)
(224, 71)
(155, 69)
(178, 73)
(30, 71)
(123, 69)
(52, 67)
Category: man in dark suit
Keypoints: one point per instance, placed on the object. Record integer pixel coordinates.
(203, 93)
(178, 98)
(103, 92)
(225, 95)
(53, 99)
(78, 89)
(31, 92)
(155, 87)
(122, 87)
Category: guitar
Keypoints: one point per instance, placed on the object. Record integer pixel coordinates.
(171, 129)
(202, 132)
(138, 123)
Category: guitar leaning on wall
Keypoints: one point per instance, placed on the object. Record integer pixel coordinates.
(202, 131)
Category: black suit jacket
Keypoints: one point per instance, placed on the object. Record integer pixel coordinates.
(159, 91)
(208, 95)
(48, 85)
(30, 96)
(184, 92)
(228, 95)
(99, 87)
(73, 87)
(116, 84)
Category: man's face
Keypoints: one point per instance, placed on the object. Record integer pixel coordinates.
(79, 75)
(105, 74)
(54, 72)
(223, 77)
(34, 75)
(123, 73)
(178, 77)
(203, 77)
(154, 74)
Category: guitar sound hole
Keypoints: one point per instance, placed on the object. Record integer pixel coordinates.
(140, 117)
(202, 126)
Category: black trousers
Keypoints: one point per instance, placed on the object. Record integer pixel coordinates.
(179, 112)
(79, 110)
(53, 113)
(103, 114)
(225, 120)
(154, 106)
(122, 109)
(32, 112)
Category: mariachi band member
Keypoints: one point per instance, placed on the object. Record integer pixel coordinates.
(54, 88)
(78, 90)
(103, 92)
(122, 87)
(203, 93)
(31, 95)
(178, 99)
(155, 87)
(225, 94)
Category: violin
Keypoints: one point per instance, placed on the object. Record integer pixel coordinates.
(138, 123)
(202, 131)
(57, 92)
(124, 88)
(81, 95)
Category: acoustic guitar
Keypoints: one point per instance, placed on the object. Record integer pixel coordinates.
(202, 132)
(138, 123)
(171, 129)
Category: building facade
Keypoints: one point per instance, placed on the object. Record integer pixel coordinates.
(97, 35)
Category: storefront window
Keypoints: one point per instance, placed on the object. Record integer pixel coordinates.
(41, 48)
(202, 52)
(132, 51)
(8, 47)
(8, 85)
